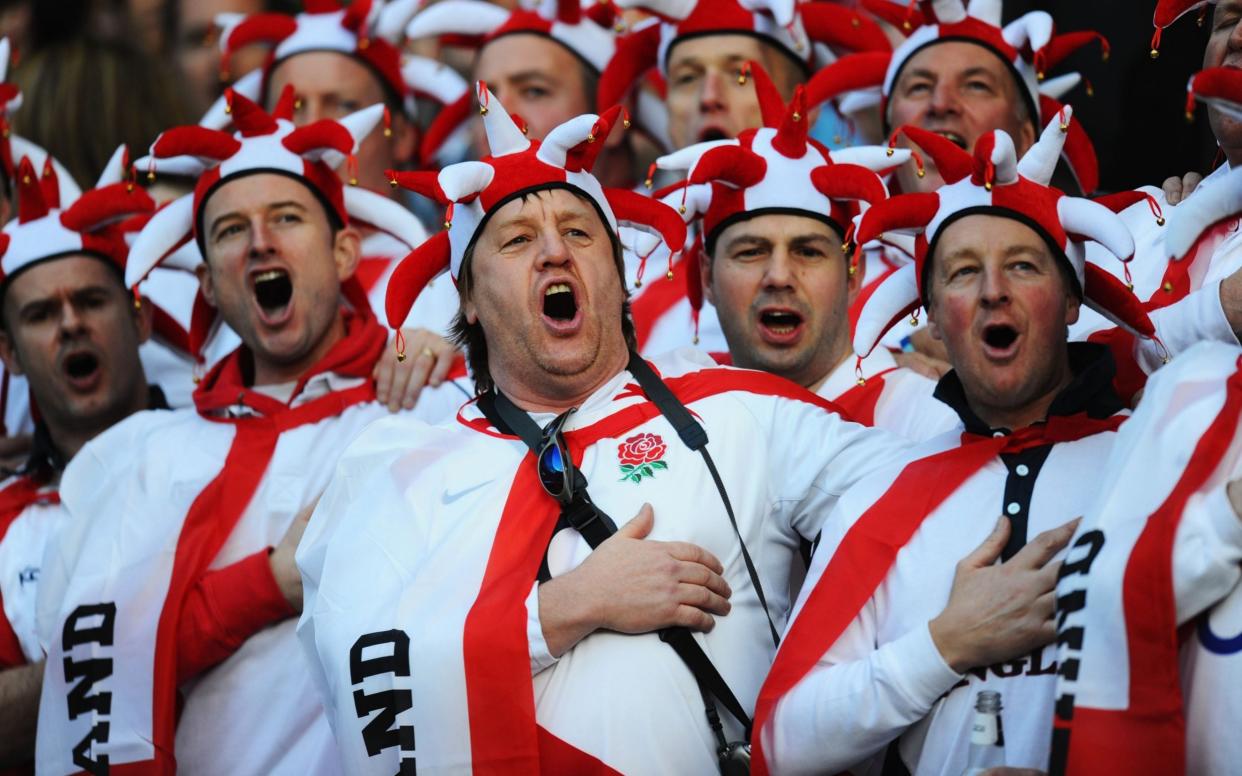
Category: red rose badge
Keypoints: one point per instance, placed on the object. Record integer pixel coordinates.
(640, 456)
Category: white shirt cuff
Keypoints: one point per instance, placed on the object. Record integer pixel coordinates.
(922, 674)
(540, 657)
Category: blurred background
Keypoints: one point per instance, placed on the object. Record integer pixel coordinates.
(96, 73)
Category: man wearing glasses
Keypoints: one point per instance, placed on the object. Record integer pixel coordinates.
(468, 602)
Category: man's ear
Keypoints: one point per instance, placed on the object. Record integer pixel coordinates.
(144, 318)
(854, 276)
(8, 354)
(205, 284)
(705, 276)
(1073, 307)
(347, 252)
(933, 328)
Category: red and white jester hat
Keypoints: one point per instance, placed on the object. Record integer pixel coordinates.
(1169, 11)
(812, 33)
(90, 226)
(1220, 87)
(774, 169)
(370, 31)
(261, 144)
(1028, 46)
(993, 181)
(586, 32)
(471, 191)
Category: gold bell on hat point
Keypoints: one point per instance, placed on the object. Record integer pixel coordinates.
(921, 173)
(448, 224)
(297, 104)
(987, 185)
(25, 180)
(400, 358)
(862, 381)
(682, 209)
(1168, 287)
(150, 175)
(387, 131)
(393, 183)
(1155, 54)
(1160, 221)
(590, 137)
(669, 275)
(638, 283)
(482, 110)
(797, 116)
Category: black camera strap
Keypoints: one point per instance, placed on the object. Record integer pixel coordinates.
(595, 526)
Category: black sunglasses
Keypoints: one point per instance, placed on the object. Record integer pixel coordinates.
(556, 467)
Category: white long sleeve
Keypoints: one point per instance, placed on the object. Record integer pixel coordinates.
(856, 701)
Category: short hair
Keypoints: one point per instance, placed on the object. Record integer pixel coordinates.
(470, 336)
(117, 272)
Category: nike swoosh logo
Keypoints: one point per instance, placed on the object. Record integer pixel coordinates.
(449, 498)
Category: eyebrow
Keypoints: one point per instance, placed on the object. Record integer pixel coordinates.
(236, 214)
(747, 239)
(76, 294)
(809, 238)
(531, 75)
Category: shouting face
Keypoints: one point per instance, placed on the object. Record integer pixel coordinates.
(705, 99)
(962, 91)
(1002, 304)
(274, 268)
(545, 289)
(781, 286)
(72, 329)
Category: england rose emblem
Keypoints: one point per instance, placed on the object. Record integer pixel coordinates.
(640, 456)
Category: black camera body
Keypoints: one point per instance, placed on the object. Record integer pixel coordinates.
(734, 759)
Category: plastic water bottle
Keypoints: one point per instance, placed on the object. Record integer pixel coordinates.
(987, 737)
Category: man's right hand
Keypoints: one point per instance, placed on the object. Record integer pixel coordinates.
(998, 612)
(632, 585)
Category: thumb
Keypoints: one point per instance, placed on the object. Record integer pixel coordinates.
(987, 553)
(640, 525)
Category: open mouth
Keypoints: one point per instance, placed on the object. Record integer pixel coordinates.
(559, 303)
(80, 366)
(780, 321)
(82, 371)
(273, 290)
(712, 134)
(780, 327)
(1000, 336)
(953, 137)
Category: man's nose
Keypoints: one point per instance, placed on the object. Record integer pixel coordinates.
(553, 250)
(711, 99)
(994, 289)
(261, 242)
(944, 100)
(778, 271)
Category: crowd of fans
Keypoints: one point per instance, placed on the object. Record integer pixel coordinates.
(617, 386)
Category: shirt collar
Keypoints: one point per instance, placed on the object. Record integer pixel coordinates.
(1090, 391)
(45, 461)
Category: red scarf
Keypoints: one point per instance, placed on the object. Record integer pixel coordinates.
(504, 736)
(870, 547)
(1149, 735)
(218, 507)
